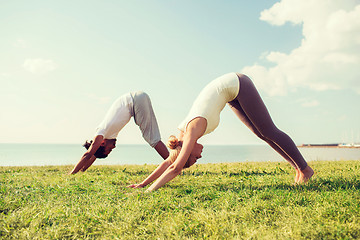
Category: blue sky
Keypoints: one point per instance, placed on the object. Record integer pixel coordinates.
(63, 64)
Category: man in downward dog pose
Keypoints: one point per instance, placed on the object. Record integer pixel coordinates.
(134, 104)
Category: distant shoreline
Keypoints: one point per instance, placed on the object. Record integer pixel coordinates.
(335, 145)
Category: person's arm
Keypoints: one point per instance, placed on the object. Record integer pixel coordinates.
(88, 164)
(88, 155)
(196, 129)
(154, 175)
(181, 135)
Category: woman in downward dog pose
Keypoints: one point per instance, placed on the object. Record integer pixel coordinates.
(240, 93)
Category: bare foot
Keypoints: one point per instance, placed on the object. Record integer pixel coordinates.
(297, 175)
(305, 175)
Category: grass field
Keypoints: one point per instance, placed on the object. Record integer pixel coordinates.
(210, 201)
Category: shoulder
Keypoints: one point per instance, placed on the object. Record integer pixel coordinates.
(196, 127)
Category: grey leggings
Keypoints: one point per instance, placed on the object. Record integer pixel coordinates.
(251, 110)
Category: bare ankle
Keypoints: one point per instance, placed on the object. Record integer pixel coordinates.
(306, 174)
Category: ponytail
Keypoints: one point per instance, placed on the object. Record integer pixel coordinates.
(87, 144)
(175, 145)
(173, 142)
(99, 152)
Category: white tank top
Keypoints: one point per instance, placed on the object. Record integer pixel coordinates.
(212, 100)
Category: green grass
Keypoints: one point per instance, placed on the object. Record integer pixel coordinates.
(210, 201)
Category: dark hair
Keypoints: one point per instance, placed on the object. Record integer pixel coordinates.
(99, 153)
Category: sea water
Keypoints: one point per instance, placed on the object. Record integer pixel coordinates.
(70, 154)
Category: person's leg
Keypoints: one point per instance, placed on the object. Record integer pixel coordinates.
(239, 112)
(256, 111)
(144, 117)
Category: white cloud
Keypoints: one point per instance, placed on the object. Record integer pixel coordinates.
(5, 75)
(39, 66)
(309, 103)
(342, 118)
(328, 57)
(20, 43)
(100, 99)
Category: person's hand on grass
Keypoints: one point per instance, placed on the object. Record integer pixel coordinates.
(136, 186)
